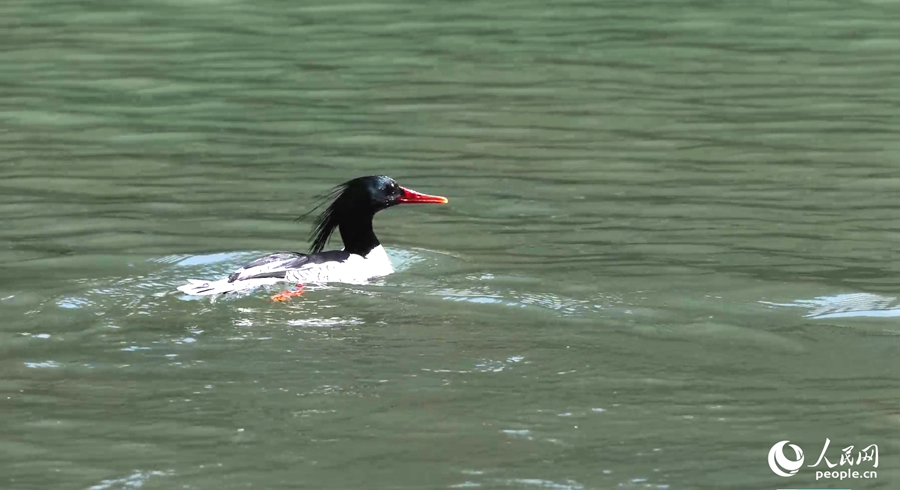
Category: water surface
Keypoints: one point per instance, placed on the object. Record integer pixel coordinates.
(671, 243)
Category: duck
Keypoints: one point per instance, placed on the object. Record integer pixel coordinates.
(350, 209)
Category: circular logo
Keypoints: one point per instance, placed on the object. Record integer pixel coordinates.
(780, 464)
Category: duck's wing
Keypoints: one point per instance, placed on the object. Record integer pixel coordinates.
(278, 264)
(263, 271)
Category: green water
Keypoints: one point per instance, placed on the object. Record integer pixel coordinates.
(671, 243)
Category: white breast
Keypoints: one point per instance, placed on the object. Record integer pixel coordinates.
(355, 270)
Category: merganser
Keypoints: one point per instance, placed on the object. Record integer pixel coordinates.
(351, 207)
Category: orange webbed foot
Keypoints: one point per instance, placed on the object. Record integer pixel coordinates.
(288, 294)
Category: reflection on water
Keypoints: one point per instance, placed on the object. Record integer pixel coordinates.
(478, 479)
(44, 364)
(846, 306)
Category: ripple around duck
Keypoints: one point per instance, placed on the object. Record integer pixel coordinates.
(134, 480)
(434, 274)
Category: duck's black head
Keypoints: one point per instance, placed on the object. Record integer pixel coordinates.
(352, 206)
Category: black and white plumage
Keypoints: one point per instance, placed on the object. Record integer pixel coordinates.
(351, 207)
